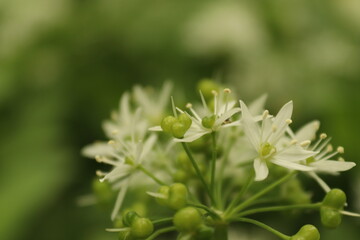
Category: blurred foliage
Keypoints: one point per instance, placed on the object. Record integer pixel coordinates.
(64, 64)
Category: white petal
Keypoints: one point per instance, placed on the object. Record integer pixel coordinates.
(280, 122)
(307, 132)
(124, 105)
(291, 165)
(226, 115)
(294, 153)
(257, 106)
(251, 128)
(118, 172)
(332, 166)
(95, 149)
(148, 145)
(155, 129)
(119, 199)
(192, 137)
(261, 169)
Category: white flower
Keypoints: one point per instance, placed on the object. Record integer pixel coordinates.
(216, 119)
(125, 157)
(125, 122)
(153, 103)
(265, 140)
(323, 161)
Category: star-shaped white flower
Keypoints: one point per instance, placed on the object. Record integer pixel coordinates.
(217, 118)
(265, 140)
(323, 161)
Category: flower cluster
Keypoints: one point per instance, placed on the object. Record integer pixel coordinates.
(211, 162)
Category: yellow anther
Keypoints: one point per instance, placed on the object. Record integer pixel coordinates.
(265, 114)
(227, 90)
(293, 142)
(288, 121)
(329, 148)
(188, 105)
(340, 149)
(305, 143)
(323, 135)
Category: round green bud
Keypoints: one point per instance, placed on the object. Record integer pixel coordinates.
(164, 190)
(167, 122)
(180, 176)
(307, 232)
(208, 122)
(177, 196)
(207, 86)
(335, 198)
(187, 219)
(185, 119)
(129, 218)
(141, 228)
(204, 233)
(178, 129)
(330, 218)
(102, 190)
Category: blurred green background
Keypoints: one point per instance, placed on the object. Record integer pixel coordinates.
(65, 63)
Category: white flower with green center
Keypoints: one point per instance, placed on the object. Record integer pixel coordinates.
(125, 157)
(323, 161)
(265, 140)
(153, 102)
(210, 120)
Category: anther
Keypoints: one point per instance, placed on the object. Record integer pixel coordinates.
(274, 128)
(288, 121)
(293, 142)
(214, 92)
(114, 132)
(323, 136)
(111, 142)
(227, 90)
(329, 148)
(98, 158)
(188, 105)
(305, 143)
(340, 149)
(100, 173)
(340, 159)
(316, 125)
(265, 114)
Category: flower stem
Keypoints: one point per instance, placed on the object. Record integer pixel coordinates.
(197, 170)
(152, 176)
(163, 220)
(280, 208)
(160, 231)
(213, 165)
(264, 226)
(209, 210)
(262, 192)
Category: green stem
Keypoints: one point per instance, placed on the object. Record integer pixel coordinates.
(207, 209)
(197, 170)
(160, 231)
(152, 176)
(264, 226)
(243, 190)
(161, 221)
(280, 208)
(262, 192)
(213, 165)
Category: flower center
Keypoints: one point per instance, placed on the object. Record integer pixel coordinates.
(267, 150)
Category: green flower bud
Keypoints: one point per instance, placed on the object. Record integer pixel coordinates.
(206, 86)
(177, 196)
(178, 129)
(125, 236)
(209, 121)
(102, 190)
(180, 176)
(187, 219)
(165, 191)
(335, 198)
(307, 232)
(204, 233)
(167, 122)
(330, 217)
(129, 218)
(185, 119)
(141, 228)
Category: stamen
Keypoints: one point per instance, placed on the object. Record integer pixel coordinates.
(214, 92)
(189, 105)
(316, 125)
(100, 173)
(227, 90)
(293, 142)
(340, 159)
(273, 128)
(329, 148)
(305, 143)
(288, 121)
(323, 136)
(265, 114)
(340, 149)
(111, 142)
(98, 158)
(115, 132)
